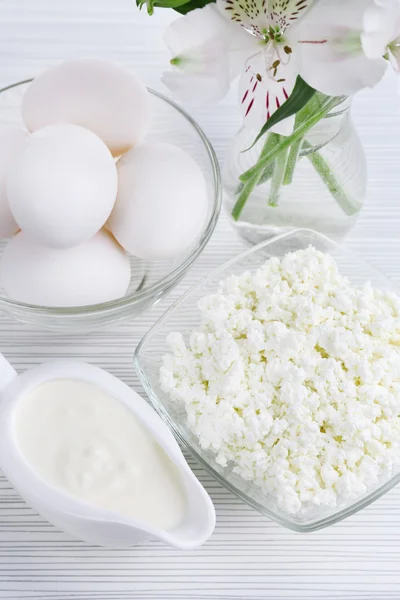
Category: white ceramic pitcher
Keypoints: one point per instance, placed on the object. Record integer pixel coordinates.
(92, 524)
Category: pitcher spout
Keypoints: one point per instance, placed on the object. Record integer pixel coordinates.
(199, 522)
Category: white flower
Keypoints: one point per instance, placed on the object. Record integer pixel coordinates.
(263, 90)
(273, 41)
(381, 34)
(331, 54)
(208, 53)
(323, 46)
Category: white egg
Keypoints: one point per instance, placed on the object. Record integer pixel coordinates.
(161, 203)
(11, 142)
(93, 272)
(62, 186)
(99, 95)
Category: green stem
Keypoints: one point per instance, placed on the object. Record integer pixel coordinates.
(295, 149)
(270, 152)
(277, 178)
(250, 184)
(245, 190)
(272, 141)
(257, 172)
(289, 140)
(293, 157)
(267, 174)
(324, 171)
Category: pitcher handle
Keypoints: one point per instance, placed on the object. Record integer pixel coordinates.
(7, 373)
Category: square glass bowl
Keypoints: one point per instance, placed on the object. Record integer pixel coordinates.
(184, 316)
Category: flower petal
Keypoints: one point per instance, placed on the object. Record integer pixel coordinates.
(208, 51)
(195, 29)
(258, 15)
(348, 13)
(250, 14)
(333, 74)
(197, 89)
(331, 57)
(200, 56)
(241, 46)
(381, 27)
(285, 12)
(394, 54)
(264, 88)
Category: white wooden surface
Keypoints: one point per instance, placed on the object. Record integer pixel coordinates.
(248, 556)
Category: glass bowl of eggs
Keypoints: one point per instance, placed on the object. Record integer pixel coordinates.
(108, 193)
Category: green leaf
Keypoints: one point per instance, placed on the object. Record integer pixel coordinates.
(301, 94)
(151, 4)
(192, 5)
(181, 6)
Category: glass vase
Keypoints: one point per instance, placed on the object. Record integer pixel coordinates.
(315, 178)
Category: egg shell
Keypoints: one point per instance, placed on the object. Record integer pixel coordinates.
(12, 139)
(97, 94)
(161, 203)
(62, 186)
(93, 272)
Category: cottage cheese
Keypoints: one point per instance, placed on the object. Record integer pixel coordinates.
(293, 378)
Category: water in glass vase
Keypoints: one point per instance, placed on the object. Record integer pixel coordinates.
(318, 181)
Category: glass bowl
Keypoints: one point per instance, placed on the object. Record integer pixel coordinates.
(183, 316)
(150, 281)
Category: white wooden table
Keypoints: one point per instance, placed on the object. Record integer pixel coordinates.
(248, 556)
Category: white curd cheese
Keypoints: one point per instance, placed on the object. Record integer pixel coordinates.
(293, 377)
